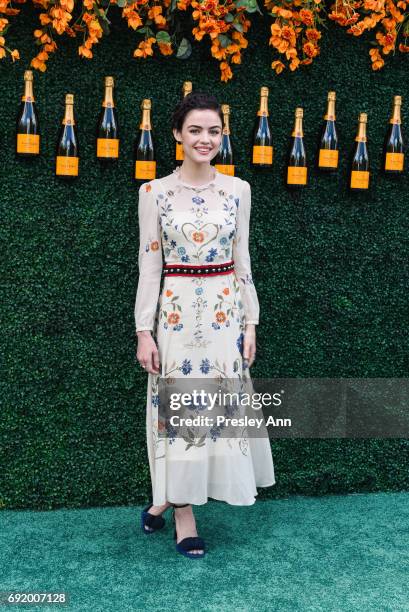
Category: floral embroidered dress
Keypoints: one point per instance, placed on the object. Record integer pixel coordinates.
(198, 324)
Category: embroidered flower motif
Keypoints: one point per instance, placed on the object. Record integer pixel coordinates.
(169, 292)
(186, 367)
(173, 318)
(239, 343)
(181, 250)
(198, 236)
(170, 193)
(185, 258)
(220, 316)
(212, 254)
(226, 291)
(155, 245)
(199, 290)
(223, 240)
(204, 366)
(148, 187)
(198, 200)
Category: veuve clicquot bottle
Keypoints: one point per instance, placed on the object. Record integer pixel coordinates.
(144, 153)
(262, 139)
(179, 154)
(224, 158)
(107, 137)
(28, 127)
(297, 159)
(328, 147)
(67, 153)
(360, 160)
(393, 150)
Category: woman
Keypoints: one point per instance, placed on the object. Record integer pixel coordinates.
(201, 325)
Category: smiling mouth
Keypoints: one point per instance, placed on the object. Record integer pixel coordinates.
(202, 150)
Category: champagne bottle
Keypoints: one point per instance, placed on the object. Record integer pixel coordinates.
(179, 155)
(297, 159)
(262, 140)
(360, 160)
(27, 128)
(107, 137)
(67, 154)
(394, 157)
(328, 150)
(224, 157)
(144, 153)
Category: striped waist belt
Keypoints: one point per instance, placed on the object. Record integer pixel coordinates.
(209, 270)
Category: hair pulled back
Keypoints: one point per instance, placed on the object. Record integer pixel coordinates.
(194, 101)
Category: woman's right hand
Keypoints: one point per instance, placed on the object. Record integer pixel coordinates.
(147, 352)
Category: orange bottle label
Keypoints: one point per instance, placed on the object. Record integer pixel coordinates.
(66, 166)
(107, 147)
(296, 175)
(328, 158)
(262, 154)
(145, 169)
(179, 152)
(359, 179)
(225, 168)
(394, 161)
(28, 143)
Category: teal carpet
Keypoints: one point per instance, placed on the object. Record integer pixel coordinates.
(335, 553)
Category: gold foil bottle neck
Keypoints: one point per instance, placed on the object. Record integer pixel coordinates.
(146, 104)
(109, 81)
(187, 87)
(69, 98)
(299, 112)
(28, 75)
(225, 109)
(332, 96)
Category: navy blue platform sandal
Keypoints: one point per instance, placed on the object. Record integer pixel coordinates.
(155, 522)
(188, 544)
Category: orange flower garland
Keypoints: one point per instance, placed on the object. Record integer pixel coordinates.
(295, 31)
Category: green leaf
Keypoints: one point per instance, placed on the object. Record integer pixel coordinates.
(121, 3)
(224, 40)
(163, 37)
(184, 50)
(238, 26)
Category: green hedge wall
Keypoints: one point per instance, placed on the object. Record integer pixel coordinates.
(330, 268)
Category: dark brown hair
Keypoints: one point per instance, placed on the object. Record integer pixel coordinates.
(193, 101)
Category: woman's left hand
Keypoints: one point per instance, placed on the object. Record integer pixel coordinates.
(249, 344)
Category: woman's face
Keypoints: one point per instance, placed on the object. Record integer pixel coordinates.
(201, 135)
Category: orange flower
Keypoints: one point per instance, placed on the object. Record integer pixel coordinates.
(226, 291)
(278, 66)
(15, 55)
(404, 48)
(173, 318)
(198, 236)
(144, 48)
(148, 187)
(169, 292)
(220, 317)
(154, 245)
(165, 48)
(306, 17)
(310, 49)
(312, 34)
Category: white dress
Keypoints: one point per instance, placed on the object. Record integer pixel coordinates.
(198, 324)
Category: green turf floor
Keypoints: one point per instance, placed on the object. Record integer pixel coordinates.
(343, 552)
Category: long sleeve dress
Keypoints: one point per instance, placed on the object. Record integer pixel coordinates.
(198, 324)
